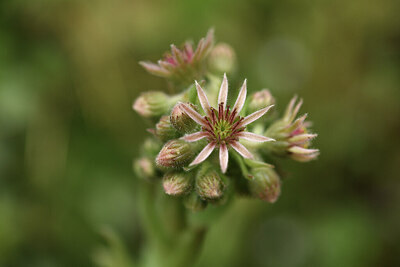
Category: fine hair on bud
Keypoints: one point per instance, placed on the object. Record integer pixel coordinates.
(181, 121)
(164, 129)
(175, 153)
(209, 185)
(177, 183)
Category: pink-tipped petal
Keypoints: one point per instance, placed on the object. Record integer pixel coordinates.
(203, 155)
(241, 98)
(154, 69)
(242, 150)
(195, 136)
(177, 54)
(223, 157)
(193, 114)
(296, 110)
(254, 137)
(302, 150)
(254, 116)
(223, 91)
(203, 99)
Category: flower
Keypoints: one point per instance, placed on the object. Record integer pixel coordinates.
(182, 64)
(292, 136)
(223, 127)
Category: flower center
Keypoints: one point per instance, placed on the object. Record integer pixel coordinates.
(223, 125)
(222, 130)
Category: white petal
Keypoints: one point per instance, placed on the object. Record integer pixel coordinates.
(193, 114)
(254, 116)
(203, 155)
(203, 99)
(223, 91)
(301, 150)
(254, 137)
(241, 98)
(223, 157)
(290, 106)
(194, 136)
(242, 150)
(154, 68)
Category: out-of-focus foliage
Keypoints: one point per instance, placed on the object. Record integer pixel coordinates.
(69, 74)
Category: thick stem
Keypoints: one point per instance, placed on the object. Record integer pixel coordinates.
(171, 242)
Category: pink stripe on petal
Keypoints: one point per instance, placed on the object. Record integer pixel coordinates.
(203, 155)
(241, 98)
(203, 99)
(223, 157)
(193, 114)
(254, 116)
(242, 150)
(254, 137)
(195, 136)
(223, 91)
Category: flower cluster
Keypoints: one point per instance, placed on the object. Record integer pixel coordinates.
(197, 131)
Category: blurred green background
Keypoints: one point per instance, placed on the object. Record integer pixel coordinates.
(69, 75)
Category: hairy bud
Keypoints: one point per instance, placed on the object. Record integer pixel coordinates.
(181, 121)
(154, 104)
(194, 202)
(266, 184)
(209, 185)
(177, 183)
(222, 59)
(144, 168)
(164, 129)
(260, 100)
(175, 154)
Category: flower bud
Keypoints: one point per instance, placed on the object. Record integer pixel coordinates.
(144, 168)
(153, 104)
(194, 202)
(151, 147)
(260, 100)
(266, 184)
(292, 135)
(164, 129)
(181, 121)
(209, 185)
(177, 183)
(175, 154)
(222, 59)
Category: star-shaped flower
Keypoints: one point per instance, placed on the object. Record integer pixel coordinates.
(223, 127)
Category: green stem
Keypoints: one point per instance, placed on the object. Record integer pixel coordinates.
(242, 165)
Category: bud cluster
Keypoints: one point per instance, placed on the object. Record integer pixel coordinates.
(193, 138)
(292, 135)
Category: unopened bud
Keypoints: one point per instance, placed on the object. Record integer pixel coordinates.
(209, 185)
(177, 183)
(194, 202)
(222, 59)
(260, 100)
(153, 104)
(144, 168)
(181, 121)
(175, 154)
(266, 184)
(151, 147)
(164, 129)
